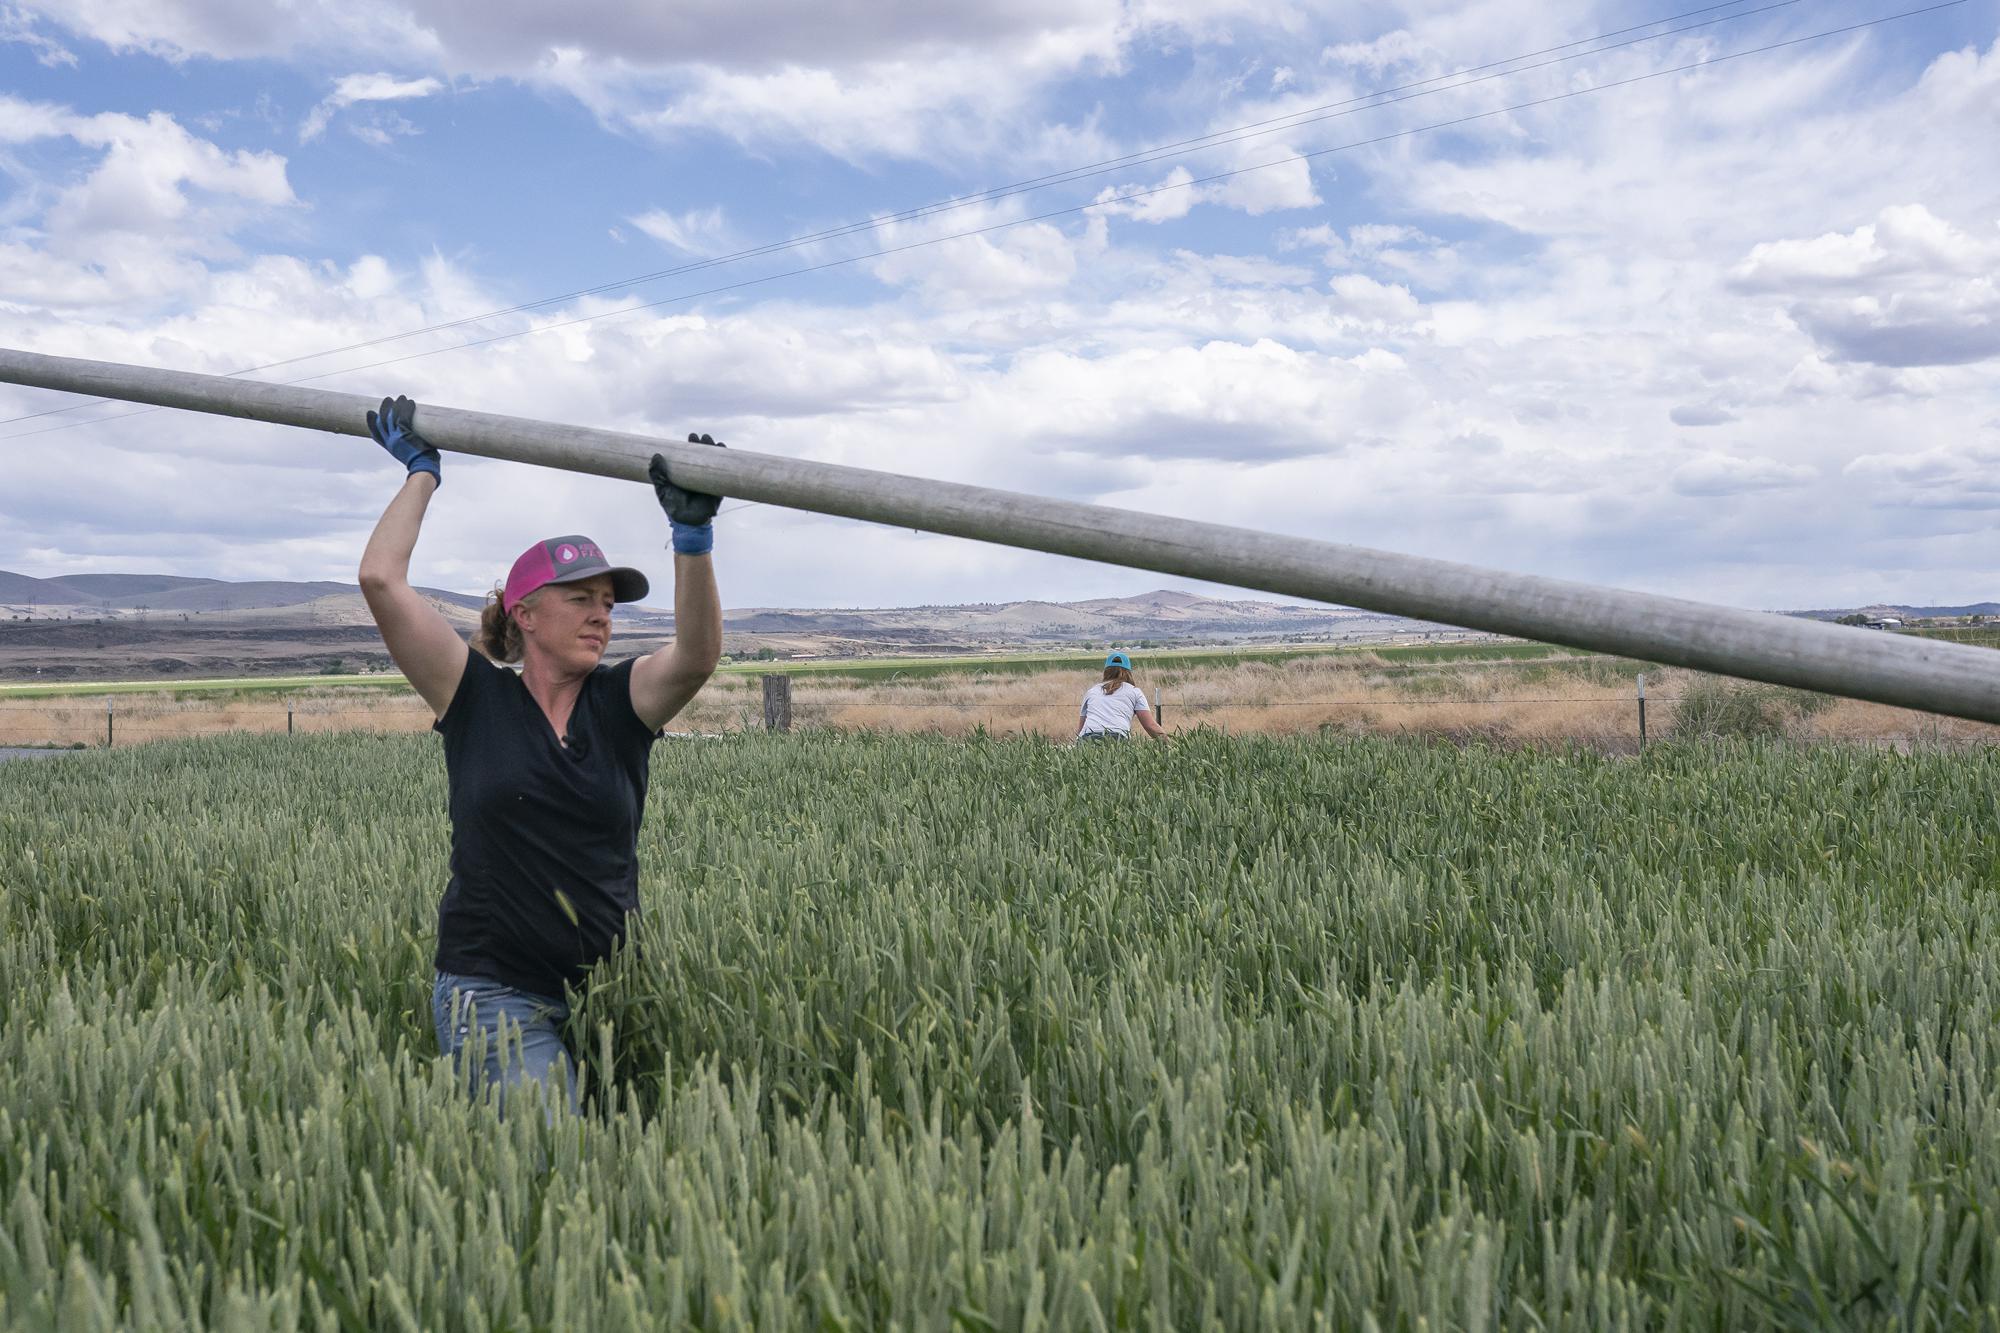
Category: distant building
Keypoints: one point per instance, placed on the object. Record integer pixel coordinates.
(1884, 622)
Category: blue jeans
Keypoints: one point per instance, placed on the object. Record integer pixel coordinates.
(518, 1034)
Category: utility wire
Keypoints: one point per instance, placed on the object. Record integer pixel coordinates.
(1127, 197)
(1216, 139)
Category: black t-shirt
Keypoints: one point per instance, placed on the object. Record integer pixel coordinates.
(544, 837)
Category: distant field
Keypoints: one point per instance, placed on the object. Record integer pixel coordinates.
(877, 668)
(1984, 636)
(921, 668)
(1503, 693)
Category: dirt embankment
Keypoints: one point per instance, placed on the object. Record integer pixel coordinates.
(60, 650)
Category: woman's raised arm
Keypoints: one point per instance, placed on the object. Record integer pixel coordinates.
(422, 642)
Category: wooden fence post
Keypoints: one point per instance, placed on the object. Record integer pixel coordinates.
(777, 703)
(1642, 710)
(107, 724)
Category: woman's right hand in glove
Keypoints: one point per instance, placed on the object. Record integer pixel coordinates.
(394, 427)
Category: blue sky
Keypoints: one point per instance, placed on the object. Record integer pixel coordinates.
(1730, 333)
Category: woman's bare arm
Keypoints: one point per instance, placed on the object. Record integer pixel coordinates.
(425, 647)
(664, 681)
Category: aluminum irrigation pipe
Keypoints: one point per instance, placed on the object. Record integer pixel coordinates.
(1948, 678)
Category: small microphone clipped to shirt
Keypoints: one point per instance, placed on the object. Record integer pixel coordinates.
(577, 746)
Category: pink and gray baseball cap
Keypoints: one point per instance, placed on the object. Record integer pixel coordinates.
(565, 560)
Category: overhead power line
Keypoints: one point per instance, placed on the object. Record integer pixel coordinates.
(1129, 196)
(1216, 139)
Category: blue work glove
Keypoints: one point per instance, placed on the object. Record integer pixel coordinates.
(395, 429)
(691, 513)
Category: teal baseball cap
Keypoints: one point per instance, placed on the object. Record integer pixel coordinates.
(1119, 660)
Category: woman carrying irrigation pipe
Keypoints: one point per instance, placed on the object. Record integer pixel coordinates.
(546, 768)
(1114, 704)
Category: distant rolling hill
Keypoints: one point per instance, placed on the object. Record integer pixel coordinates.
(1906, 612)
(19, 589)
(134, 593)
(106, 626)
(117, 589)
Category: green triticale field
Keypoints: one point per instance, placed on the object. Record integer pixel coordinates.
(1235, 1034)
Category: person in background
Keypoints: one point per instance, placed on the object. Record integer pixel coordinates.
(1112, 706)
(546, 767)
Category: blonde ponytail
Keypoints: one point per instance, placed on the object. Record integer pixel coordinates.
(498, 637)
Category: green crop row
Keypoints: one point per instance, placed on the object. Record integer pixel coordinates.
(924, 1035)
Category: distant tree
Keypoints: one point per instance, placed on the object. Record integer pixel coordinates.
(1852, 618)
(333, 667)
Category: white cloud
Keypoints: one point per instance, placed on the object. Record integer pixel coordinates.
(1224, 403)
(1701, 414)
(154, 193)
(1395, 250)
(1909, 289)
(1715, 474)
(1270, 180)
(1324, 238)
(232, 29)
(1959, 475)
(148, 167)
(900, 78)
(385, 129)
(961, 102)
(1905, 241)
(747, 34)
(698, 231)
(18, 27)
(1365, 298)
(1164, 201)
(1031, 259)
(358, 88)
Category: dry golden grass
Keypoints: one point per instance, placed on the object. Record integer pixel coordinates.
(1853, 720)
(138, 718)
(1590, 702)
(1583, 701)
(1357, 693)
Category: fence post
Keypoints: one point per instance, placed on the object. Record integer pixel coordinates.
(1159, 709)
(107, 724)
(777, 703)
(288, 719)
(1642, 710)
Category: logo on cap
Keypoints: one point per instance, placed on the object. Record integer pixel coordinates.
(566, 553)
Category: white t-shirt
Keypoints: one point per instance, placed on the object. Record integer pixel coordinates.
(1112, 712)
